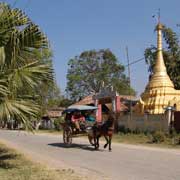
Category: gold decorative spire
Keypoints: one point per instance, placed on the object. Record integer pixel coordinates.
(160, 67)
(159, 92)
(160, 76)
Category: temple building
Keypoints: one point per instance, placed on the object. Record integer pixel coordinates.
(159, 92)
(158, 107)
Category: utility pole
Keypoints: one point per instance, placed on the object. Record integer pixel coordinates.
(129, 75)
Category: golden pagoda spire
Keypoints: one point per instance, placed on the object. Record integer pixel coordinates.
(160, 76)
(159, 92)
(160, 67)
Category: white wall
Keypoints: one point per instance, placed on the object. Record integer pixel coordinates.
(144, 122)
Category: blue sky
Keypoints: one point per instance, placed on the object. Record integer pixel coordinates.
(73, 26)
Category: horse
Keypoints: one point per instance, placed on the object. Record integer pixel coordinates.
(106, 129)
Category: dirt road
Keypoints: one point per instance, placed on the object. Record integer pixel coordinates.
(126, 162)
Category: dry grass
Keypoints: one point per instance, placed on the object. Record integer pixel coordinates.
(15, 166)
(129, 138)
(143, 139)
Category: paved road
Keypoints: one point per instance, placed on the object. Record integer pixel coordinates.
(126, 162)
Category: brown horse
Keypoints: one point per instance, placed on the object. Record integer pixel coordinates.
(106, 129)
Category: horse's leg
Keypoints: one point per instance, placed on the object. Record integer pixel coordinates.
(95, 137)
(107, 141)
(90, 138)
(98, 141)
(110, 138)
(95, 141)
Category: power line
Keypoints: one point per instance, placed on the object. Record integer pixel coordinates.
(134, 62)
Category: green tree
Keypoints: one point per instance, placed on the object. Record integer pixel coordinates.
(171, 54)
(48, 91)
(65, 102)
(22, 72)
(87, 72)
(54, 96)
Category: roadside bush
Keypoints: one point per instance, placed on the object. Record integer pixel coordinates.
(57, 122)
(137, 131)
(123, 129)
(158, 137)
(175, 138)
(178, 139)
(172, 133)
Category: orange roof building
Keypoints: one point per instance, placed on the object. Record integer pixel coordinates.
(107, 99)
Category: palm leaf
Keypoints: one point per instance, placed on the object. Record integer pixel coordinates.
(21, 45)
(21, 71)
(3, 87)
(9, 20)
(30, 75)
(20, 110)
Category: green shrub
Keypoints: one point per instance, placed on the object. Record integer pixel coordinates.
(174, 136)
(178, 140)
(57, 122)
(123, 129)
(158, 137)
(175, 139)
(172, 133)
(136, 131)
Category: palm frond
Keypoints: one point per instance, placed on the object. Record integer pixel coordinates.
(32, 37)
(21, 45)
(10, 19)
(21, 71)
(3, 87)
(30, 75)
(20, 110)
(2, 55)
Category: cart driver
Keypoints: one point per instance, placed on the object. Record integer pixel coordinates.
(76, 118)
(90, 118)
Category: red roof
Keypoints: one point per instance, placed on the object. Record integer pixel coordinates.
(89, 100)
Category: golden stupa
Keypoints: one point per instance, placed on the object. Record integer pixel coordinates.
(159, 92)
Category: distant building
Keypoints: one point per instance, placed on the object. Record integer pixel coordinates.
(47, 121)
(107, 100)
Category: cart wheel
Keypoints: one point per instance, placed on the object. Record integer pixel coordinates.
(67, 135)
(91, 139)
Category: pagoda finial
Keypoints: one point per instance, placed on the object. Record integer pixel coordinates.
(159, 15)
(159, 65)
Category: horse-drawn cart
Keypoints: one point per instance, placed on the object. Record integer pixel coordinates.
(69, 129)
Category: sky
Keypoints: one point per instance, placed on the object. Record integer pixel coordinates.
(73, 26)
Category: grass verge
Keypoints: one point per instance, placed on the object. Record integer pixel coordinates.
(15, 166)
(143, 139)
(128, 138)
